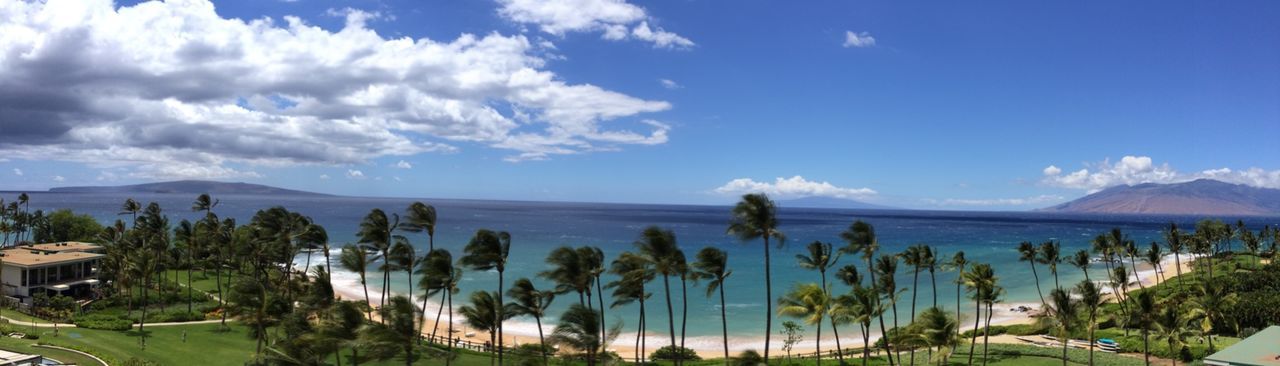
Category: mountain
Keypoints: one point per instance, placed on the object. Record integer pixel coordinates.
(1199, 197)
(191, 187)
(828, 202)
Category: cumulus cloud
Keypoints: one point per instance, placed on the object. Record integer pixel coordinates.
(862, 39)
(1036, 200)
(614, 19)
(354, 174)
(17, 172)
(795, 186)
(172, 89)
(404, 165)
(669, 84)
(59, 178)
(324, 177)
(1132, 170)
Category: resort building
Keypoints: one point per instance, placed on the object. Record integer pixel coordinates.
(1261, 349)
(69, 268)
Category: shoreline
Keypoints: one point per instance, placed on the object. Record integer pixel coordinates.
(347, 286)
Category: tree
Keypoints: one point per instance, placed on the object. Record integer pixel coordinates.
(142, 265)
(634, 271)
(402, 257)
(356, 259)
(1050, 256)
(1173, 239)
(887, 270)
(529, 301)
(1213, 301)
(1030, 255)
(914, 256)
(713, 265)
(488, 250)
(579, 329)
(860, 306)
(755, 217)
(820, 258)
(861, 239)
(396, 330)
(483, 314)
(794, 334)
(438, 276)
(1064, 311)
(569, 272)
(1081, 260)
(421, 217)
(376, 234)
(934, 328)
(980, 281)
(958, 263)
(1143, 315)
(1153, 255)
(69, 227)
(807, 302)
(1131, 250)
(1090, 301)
(1173, 326)
(658, 247)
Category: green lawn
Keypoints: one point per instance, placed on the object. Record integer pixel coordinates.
(28, 346)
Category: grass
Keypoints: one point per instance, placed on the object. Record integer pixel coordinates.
(28, 346)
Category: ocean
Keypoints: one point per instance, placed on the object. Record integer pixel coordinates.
(538, 227)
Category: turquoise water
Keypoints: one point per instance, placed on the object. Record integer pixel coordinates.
(537, 227)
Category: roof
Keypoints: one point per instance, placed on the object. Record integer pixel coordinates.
(13, 358)
(1261, 349)
(67, 246)
(23, 257)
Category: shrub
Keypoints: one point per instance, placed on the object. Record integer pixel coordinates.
(103, 321)
(673, 353)
(748, 358)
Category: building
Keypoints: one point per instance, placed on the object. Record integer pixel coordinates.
(1261, 349)
(69, 268)
(20, 359)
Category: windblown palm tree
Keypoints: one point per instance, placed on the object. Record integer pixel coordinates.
(634, 271)
(579, 329)
(1173, 326)
(935, 328)
(1064, 311)
(438, 276)
(914, 257)
(1131, 249)
(1152, 256)
(484, 314)
(396, 330)
(713, 265)
(958, 263)
(1212, 301)
(1143, 315)
(1090, 301)
(1030, 255)
(1173, 239)
(929, 260)
(659, 248)
(861, 239)
(402, 257)
(420, 217)
(1081, 260)
(1050, 255)
(529, 301)
(809, 303)
(356, 259)
(488, 251)
(860, 306)
(980, 281)
(887, 270)
(820, 258)
(376, 232)
(755, 217)
(569, 272)
(142, 264)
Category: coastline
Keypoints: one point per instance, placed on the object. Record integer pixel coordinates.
(347, 286)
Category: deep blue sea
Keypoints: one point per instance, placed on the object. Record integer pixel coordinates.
(537, 227)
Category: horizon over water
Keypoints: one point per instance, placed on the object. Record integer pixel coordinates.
(538, 227)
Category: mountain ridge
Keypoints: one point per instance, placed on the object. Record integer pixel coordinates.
(189, 186)
(1197, 197)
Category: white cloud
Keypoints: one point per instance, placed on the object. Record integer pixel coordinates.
(324, 177)
(614, 19)
(1036, 200)
(795, 186)
(354, 174)
(404, 165)
(1132, 170)
(863, 39)
(171, 89)
(59, 178)
(17, 172)
(669, 84)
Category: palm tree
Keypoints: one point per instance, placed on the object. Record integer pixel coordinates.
(819, 259)
(356, 259)
(659, 248)
(980, 282)
(1050, 255)
(1081, 260)
(438, 276)
(484, 314)
(1213, 301)
(929, 259)
(1131, 250)
(860, 306)
(958, 262)
(1173, 326)
(142, 265)
(1144, 314)
(807, 302)
(887, 270)
(530, 301)
(1064, 311)
(185, 234)
(420, 217)
(861, 239)
(1030, 255)
(579, 329)
(488, 251)
(396, 331)
(755, 217)
(593, 263)
(1102, 244)
(569, 272)
(25, 201)
(1173, 239)
(934, 328)
(634, 271)
(1153, 255)
(376, 234)
(402, 257)
(1090, 301)
(713, 265)
(914, 257)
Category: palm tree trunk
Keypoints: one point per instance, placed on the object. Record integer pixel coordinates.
(1134, 263)
(143, 321)
(1146, 348)
(893, 301)
(1092, 320)
(542, 342)
(818, 342)
(439, 313)
(1177, 261)
(603, 325)
(915, 291)
(986, 334)
(768, 301)
(190, 263)
(1065, 336)
(684, 317)
(671, 318)
(449, 338)
(724, 322)
(883, 333)
(866, 342)
(644, 324)
(221, 304)
(422, 320)
(368, 311)
(977, 317)
(500, 316)
(639, 333)
(355, 357)
(1036, 275)
(834, 328)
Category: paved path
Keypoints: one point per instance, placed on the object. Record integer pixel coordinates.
(65, 325)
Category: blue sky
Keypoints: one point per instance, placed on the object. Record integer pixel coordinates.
(992, 106)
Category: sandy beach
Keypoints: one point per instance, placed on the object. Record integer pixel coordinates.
(521, 331)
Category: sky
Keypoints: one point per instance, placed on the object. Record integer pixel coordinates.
(1000, 105)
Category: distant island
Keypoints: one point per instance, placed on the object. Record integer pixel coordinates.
(829, 202)
(1199, 197)
(189, 187)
